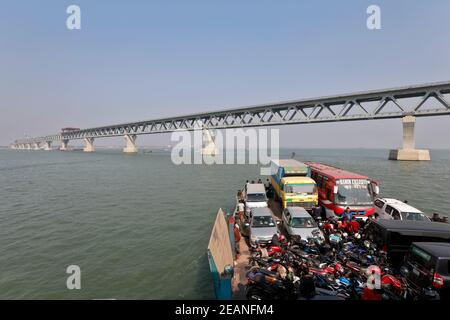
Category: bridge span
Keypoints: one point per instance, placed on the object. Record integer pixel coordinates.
(407, 103)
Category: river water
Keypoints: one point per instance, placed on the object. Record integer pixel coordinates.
(138, 226)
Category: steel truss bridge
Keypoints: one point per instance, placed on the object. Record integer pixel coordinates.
(416, 101)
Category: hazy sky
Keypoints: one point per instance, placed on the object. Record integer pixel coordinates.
(138, 60)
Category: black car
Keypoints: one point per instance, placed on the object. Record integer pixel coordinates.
(427, 265)
(396, 236)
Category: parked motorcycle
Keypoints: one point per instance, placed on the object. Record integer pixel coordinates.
(266, 285)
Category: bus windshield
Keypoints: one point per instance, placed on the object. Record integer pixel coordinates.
(353, 194)
(300, 188)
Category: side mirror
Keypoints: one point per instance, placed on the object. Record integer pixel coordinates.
(376, 189)
(335, 189)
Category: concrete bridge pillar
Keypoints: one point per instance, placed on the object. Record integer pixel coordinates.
(409, 151)
(131, 144)
(64, 145)
(48, 146)
(89, 145)
(209, 146)
(28, 146)
(36, 146)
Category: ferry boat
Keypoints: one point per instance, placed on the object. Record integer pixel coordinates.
(229, 268)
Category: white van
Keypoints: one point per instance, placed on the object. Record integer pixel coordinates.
(388, 208)
(254, 197)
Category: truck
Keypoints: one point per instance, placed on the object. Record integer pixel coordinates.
(292, 184)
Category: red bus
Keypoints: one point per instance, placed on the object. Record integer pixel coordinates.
(339, 189)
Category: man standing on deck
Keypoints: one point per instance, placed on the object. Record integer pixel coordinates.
(241, 208)
(237, 238)
(347, 215)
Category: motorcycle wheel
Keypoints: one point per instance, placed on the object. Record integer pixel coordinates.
(254, 294)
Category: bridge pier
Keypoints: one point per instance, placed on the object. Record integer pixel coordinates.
(131, 144)
(28, 146)
(36, 146)
(64, 145)
(409, 151)
(48, 146)
(89, 145)
(209, 146)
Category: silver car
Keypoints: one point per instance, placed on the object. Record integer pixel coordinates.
(262, 226)
(298, 222)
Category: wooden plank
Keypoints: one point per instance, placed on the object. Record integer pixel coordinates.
(219, 243)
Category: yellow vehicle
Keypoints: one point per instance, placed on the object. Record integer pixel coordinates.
(292, 186)
(296, 192)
